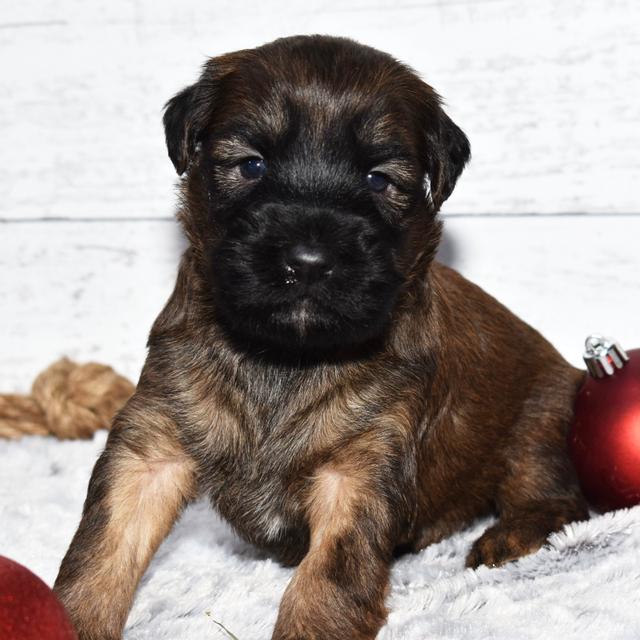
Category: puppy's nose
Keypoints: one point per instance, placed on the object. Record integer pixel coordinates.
(308, 263)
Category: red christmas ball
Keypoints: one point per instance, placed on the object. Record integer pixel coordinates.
(604, 440)
(29, 610)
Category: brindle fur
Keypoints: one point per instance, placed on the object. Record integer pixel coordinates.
(332, 459)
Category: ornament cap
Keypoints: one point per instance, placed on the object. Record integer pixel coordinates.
(603, 356)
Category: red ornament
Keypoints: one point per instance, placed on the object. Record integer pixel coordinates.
(29, 610)
(604, 440)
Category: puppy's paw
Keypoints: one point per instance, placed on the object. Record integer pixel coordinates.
(297, 632)
(504, 542)
(525, 531)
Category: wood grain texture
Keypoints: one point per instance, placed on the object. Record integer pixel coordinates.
(548, 92)
(87, 290)
(92, 290)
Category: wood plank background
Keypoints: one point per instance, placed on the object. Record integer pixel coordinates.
(547, 216)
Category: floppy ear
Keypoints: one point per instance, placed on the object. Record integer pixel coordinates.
(452, 152)
(179, 128)
(186, 116)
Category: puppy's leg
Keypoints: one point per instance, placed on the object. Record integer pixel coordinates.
(540, 493)
(523, 531)
(138, 488)
(339, 588)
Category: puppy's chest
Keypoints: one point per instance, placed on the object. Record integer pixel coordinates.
(258, 468)
(261, 492)
(263, 500)
(260, 455)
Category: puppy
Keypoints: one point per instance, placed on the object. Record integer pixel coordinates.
(338, 395)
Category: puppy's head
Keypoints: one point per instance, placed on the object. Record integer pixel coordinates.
(315, 167)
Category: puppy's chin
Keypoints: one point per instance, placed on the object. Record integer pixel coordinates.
(306, 326)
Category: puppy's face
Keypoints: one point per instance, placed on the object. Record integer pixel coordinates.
(316, 166)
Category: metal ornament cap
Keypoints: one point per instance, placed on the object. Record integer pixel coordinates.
(603, 356)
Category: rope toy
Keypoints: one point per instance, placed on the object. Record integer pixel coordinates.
(68, 400)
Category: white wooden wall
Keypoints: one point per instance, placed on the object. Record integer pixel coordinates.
(547, 216)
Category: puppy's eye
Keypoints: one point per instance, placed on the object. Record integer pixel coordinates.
(377, 182)
(253, 168)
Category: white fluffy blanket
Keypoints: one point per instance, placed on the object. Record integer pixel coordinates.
(585, 584)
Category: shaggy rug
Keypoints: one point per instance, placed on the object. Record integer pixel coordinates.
(205, 583)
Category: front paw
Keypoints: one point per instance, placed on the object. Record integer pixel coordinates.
(287, 636)
(95, 634)
(87, 631)
(294, 634)
(322, 627)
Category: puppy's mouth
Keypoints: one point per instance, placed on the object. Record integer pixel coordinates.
(302, 314)
(302, 317)
(307, 322)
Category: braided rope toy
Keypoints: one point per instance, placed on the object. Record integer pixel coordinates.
(68, 400)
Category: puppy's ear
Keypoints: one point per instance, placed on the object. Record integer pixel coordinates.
(186, 117)
(179, 128)
(452, 152)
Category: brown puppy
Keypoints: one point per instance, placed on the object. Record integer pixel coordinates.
(338, 395)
